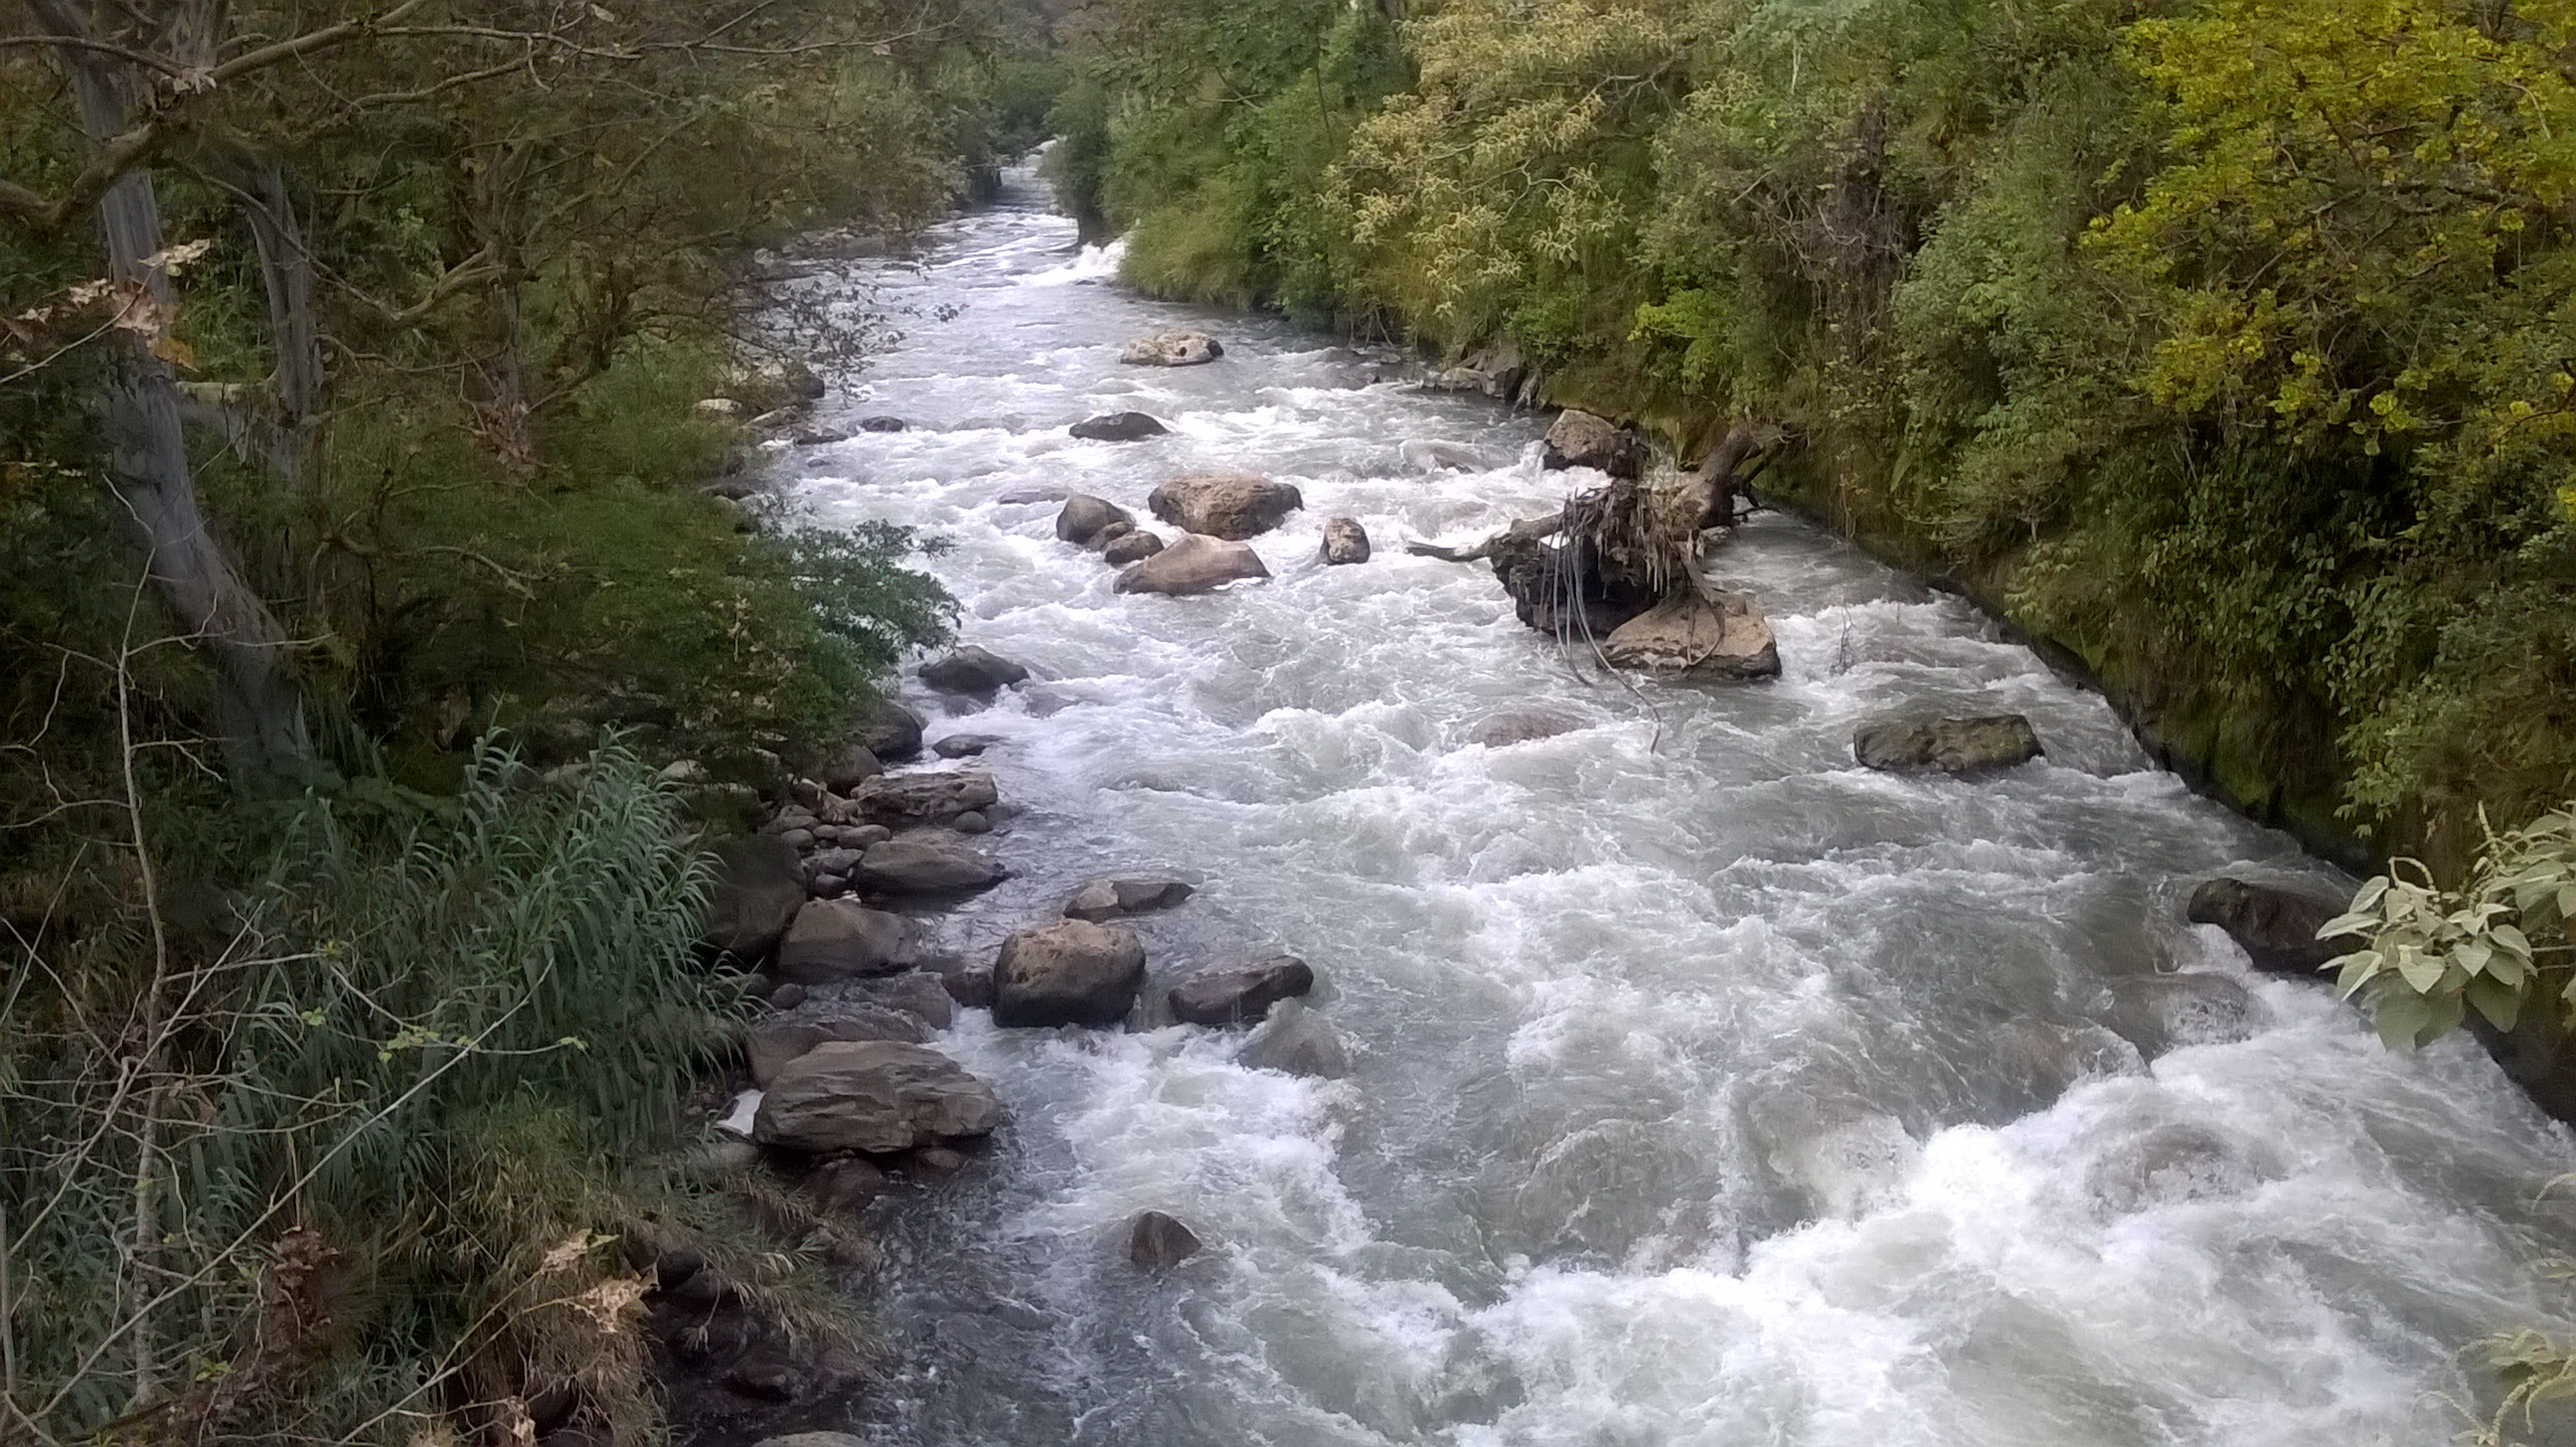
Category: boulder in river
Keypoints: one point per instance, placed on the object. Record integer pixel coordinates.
(917, 993)
(1118, 427)
(881, 424)
(874, 1096)
(964, 746)
(2158, 1013)
(1191, 566)
(774, 1043)
(1067, 972)
(1524, 725)
(1179, 347)
(1297, 1041)
(924, 866)
(930, 797)
(1345, 541)
(1229, 505)
(1580, 439)
(889, 730)
(1960, 746)
(1133, 547)
(833, 939)
(1106, 899)
(1240, 994)
(1694, 637)
(853, 764)
(2277, 928)
(1158, 1242)
(758, 890)
(1083, 516)
(974, 670)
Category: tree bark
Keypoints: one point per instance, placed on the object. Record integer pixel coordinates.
(260, 709)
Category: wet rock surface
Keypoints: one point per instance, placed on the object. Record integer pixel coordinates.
(1067, 972)
(1963, 747)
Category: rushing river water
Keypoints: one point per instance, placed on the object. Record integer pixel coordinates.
(1705, 1088)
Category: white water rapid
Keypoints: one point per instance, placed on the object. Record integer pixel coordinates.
(1705, 1088)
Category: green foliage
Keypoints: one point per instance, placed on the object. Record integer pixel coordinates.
(2501, 942)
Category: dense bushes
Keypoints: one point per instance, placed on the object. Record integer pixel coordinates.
(2214, 341)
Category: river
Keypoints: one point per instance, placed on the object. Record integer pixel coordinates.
(1705, 1088)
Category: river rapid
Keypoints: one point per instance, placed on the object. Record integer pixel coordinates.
(1705, 1088)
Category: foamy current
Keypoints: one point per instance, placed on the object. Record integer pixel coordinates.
(1706, 1088)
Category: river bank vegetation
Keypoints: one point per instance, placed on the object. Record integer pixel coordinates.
(2215, 343)
(364, 557)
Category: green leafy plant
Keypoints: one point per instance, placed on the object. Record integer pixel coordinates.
(2499, 944)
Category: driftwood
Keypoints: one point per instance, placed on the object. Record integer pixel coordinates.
(1526, 528)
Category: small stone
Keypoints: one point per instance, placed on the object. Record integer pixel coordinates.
(863, 836)
(917, 993)
(882, 424)
(1107, 899)
(1345, 541)
(971, 822)
(846, 1184)
(973, 670)
(828, 886)
(787, 996)
(1580, 439)
(1177, 348)
(1084, 516)
(820, 439)
(964, 746)
(799, 838)
(968, 985)
(1158, 1242)
(1134, 547)
(1118, 427)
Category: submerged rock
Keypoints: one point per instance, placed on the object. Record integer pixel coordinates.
(975, 670)
(1131, 547)
(1958, 746)
(833, 939)
(2158, 1013)
(1296, 1041)
(1107, 899)
(1521, 726)
(1084, 516)
(1067, 972)
(924, 866)
(881, 424)
(2277, 928)
(1158, 1242)
(1192, 566)
(1240, 994)
(1229, 505)
(1176, 348)
(1579, 439)
(917, 993)
(1118, 427)
(1345, 541)
(1693, 637)
(758, 890)
(964, 746)
(873, 1096)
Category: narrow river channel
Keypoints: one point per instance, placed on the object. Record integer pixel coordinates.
(1704, 1088)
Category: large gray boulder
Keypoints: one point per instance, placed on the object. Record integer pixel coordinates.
(1179, 347)
(1191, 566)
(931, 797)
(834, 939)
(1229, 505)
(1345, 541)
(889, 730)
(874, 1096)
(1694, 637)
(1297, 1041)
(1067, 972)
(1118, 427)
(758, 890)
(1084, 515)
(1107, 899)
(975, 670)
(2277, 928)
(1960, 746)
(1580, 439)
(774, 1043)
(1240, 994)
(924, 866)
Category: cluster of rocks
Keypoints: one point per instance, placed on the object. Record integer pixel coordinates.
(1215, 512)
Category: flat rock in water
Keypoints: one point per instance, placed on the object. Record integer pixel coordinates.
(1345, 541)
(1229, 505)
(834, 939)
(1240, 994)
(973, 670)
(1158, 1242)
(1035, 494)
(924, 866)
(1107, 899)
(1134, 547)
(874, 1096)
(2277, 928)
(1084, 516)
(758, 890)
(882, 424)
(1067, 972)
(1524, 725)
(1297, 1041)
(1179, 348)
(889, 730)
(820, 439)
(917, 993)
(1960, 746)
(1580, 439)
(1192, 566)
(1118, 427)
(774, 1043)
(964, 746)
(931, 797)
(1693, 637)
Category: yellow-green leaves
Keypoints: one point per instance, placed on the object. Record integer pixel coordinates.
(2427, 953)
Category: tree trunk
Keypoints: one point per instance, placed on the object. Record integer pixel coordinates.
(260, 710)
(286, 268)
